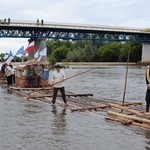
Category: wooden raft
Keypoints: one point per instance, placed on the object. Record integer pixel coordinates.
(132, 113)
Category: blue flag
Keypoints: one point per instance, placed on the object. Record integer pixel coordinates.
(20, 51)
(10, 54)
(45, 75)
(10, 58)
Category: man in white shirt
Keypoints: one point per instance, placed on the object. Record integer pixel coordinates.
(58, 77)
(8, 74)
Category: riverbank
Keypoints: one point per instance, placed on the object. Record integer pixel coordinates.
(89, 63)
(86, 63)
(97, 63)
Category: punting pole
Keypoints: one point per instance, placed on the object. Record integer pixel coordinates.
(67, 79)
(74, 76)
(126, 76)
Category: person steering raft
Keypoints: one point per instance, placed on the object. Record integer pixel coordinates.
(58, 77)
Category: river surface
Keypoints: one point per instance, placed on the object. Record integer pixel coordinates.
(30, 125)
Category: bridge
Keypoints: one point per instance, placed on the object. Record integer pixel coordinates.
(50, 30)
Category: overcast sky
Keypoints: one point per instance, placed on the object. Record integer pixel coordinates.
(128, 13)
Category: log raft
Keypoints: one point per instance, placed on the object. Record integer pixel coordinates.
(133, 112)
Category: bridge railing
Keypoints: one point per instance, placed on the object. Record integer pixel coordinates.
(69, 25)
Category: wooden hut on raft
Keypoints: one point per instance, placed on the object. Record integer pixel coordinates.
(21, 74)
(1, 74)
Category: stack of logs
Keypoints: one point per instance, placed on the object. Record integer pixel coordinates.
(129, 116)
(123, 114)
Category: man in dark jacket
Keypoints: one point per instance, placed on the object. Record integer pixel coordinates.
(147, 98)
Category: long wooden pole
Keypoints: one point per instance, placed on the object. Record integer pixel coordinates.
(125, 85)
(65, 79)
(73, 76)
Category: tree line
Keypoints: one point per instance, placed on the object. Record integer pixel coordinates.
(86, 51)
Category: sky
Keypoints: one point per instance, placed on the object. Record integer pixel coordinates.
(125, 13)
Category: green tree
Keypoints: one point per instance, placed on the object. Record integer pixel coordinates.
(52, 61)
(75, 56)
(51, 45)
(60, 53)
(90, 52)
(110, 53)
(124, 52)
(1, 57)
(135, 52)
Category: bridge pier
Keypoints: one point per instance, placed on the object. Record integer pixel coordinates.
(145, 52)
(40, 44)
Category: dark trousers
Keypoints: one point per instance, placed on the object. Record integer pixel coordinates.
(55, 91)
(13, 79)
(9, 80)
(30, 81)
(38, 81)
(147, 106)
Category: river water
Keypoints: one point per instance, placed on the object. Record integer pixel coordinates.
(30, 125)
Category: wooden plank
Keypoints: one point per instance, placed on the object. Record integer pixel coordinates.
(123, 121)
(34, 88)
(134, 103)
(144, 115)
(128, 122)
(50, 95)
(89, 108)
(141, 125)
(123, 108)
(129, 117)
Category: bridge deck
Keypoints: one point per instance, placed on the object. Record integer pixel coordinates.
(68, 31)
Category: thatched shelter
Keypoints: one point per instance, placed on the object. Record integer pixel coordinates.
(21, 73)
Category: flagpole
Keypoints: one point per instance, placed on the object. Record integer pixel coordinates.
(22, 59)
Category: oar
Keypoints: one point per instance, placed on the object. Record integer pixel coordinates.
(51, 85)
(72, 76)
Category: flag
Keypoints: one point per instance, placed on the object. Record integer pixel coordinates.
(5, 57)
(29, 48)
(36, 55)
(39, 58)
(10, 54)
(10, 58)
(45, 75)
(43, 52)
(20, 51)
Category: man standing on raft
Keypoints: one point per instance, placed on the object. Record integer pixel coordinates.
(58, 77)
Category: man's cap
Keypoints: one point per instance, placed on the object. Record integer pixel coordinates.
(57, 66)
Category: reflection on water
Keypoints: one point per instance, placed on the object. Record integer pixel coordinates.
(29, 125)
(9, 91)
(59, 129)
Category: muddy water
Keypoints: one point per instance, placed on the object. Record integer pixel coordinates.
(30, 125)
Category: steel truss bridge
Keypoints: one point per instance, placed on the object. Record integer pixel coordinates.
(41, 29)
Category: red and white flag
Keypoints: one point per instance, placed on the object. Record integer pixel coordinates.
(29, 48)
